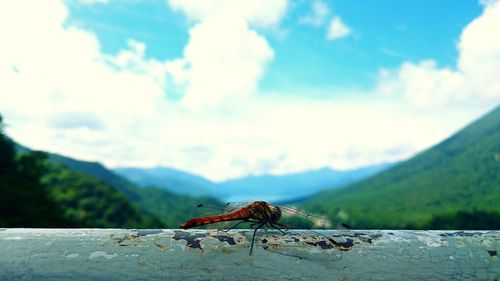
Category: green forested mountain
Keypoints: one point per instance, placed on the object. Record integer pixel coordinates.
(172, 209)
(35, 192)
(23, 200)
(89, 202)
(455, 184)
(48, 190)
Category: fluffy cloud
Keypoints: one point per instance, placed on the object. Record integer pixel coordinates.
(225, 61)
(318, 15)
(337, 29)
(60, 93)
(225, 57)
(50, 72)
(262, 13)
(91, 2)
(474, 81)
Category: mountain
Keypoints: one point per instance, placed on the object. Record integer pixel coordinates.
(264, 187)
(455, 184)
(88, 202)
(292, 186)
(173, 180)
(36, 192)
(169, 208)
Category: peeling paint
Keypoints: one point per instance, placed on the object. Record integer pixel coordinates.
(72, 256)
(344, 246)
(14, 238)
(322, 244)
(461, 233)
(225, 238)
(145, 232)
(192, 239)
(162, 242)
(432, 241)
(128, 239)
(102, 254)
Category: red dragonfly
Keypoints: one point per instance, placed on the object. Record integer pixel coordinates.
(259, 214)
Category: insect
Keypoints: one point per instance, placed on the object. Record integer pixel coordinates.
(258, 213)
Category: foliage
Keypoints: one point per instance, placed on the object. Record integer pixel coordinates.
(459, 177)
(467, 220)
(91, 203)
(171, 209)
(23, 201)
(35, 192)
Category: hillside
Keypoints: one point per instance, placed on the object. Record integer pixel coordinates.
(171, 209)
(455, 184)
(159, 207)
(262, 187)
(23, 200)
(89, 202)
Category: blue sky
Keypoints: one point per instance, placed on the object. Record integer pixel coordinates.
(226, 88)
(304, 58)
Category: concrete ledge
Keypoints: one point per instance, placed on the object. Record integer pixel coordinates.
(115, 254)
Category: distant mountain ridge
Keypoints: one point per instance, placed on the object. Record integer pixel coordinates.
(455, 184)
(262, 187)
(173, 180)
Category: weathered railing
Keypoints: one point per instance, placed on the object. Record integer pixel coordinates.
(113, 254)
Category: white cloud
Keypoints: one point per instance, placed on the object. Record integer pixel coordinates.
(487, 2)
(92, 2)
(49, 71)
(60, 93)
(318, 15)
(226, 60)
(337, 29)
(261, 13)
(474, 82)
(225, 56)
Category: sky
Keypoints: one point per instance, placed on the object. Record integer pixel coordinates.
(226, 89)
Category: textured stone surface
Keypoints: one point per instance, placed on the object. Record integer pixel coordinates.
(115, 254)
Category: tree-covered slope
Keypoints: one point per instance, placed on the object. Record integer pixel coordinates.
(89, 202)
(170, 208)
(23, 200)
(455, 184)
(49, 190)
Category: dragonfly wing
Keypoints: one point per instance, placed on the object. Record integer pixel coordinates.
(302, 219)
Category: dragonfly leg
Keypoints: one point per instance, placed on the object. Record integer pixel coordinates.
(275, 227)
(282, 225)
(240, 222)
(253, 237)
(254, 224)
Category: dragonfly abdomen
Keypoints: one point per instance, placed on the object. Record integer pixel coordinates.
(241, 214)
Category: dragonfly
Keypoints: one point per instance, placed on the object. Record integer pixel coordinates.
(259, 214)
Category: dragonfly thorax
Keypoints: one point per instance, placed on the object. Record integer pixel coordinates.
(264, 212)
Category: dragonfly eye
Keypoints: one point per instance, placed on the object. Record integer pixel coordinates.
(276, 214)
